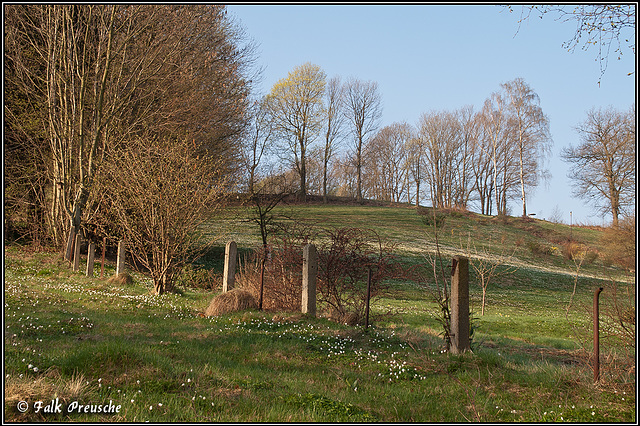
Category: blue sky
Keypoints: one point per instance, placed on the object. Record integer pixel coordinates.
(443, 57)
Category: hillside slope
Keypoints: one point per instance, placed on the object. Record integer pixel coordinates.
(531, 243)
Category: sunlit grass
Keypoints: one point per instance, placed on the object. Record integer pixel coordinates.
(156, 357)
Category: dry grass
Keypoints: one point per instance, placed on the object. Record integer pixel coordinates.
(121, 279)
(44, 388)
(234, 300)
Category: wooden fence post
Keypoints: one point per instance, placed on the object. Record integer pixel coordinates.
(76, 253)
(69, 251)
(91, 251)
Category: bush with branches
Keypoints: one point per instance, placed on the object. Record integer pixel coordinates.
(156, 194)
(282, 277)
(344, 259)
(345, 256)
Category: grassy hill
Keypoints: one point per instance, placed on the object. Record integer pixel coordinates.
(85, 341)
(533, 243)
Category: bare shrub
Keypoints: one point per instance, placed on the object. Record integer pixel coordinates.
(234, 300)
(488, 267)
(199, 278)
(160, 193)
(282, 278)
(619, 314)
(569, 249)
(344, 260)
(620, 243)
(538, 249)
(617, 320)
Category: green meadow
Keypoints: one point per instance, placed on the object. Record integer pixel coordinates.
(72, 341)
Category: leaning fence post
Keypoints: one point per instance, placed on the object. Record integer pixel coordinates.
(76, 253)
(460, 305)
(309, 277)
(121, 254)
(229, 277)
(69, 251)
(91, 251)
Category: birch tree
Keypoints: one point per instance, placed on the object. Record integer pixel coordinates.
(530, 134)
(496, 128)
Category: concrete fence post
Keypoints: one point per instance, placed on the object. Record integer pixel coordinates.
(121, 255)
(229, 277)
(309, 278)
(460, 305)
(91, 252)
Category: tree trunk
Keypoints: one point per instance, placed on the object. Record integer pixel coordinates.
(359, 197)
(324, 178)
(524, 202)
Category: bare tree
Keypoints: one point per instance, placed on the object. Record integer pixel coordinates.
(106, 73)
(482, 171)
(386, 163)
(296, 106)
(334, 122)
(603, 166)
(270, 193)
(257, 140)
(345, 172)
(496, 129)
(363, 109)
(469, 135)
(440, 132)
(488, 267)
(531, 133)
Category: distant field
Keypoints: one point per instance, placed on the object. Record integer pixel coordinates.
(83, 340)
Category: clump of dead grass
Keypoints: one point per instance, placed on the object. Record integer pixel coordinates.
(122, 279)
(234, 300)
(45, 387)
